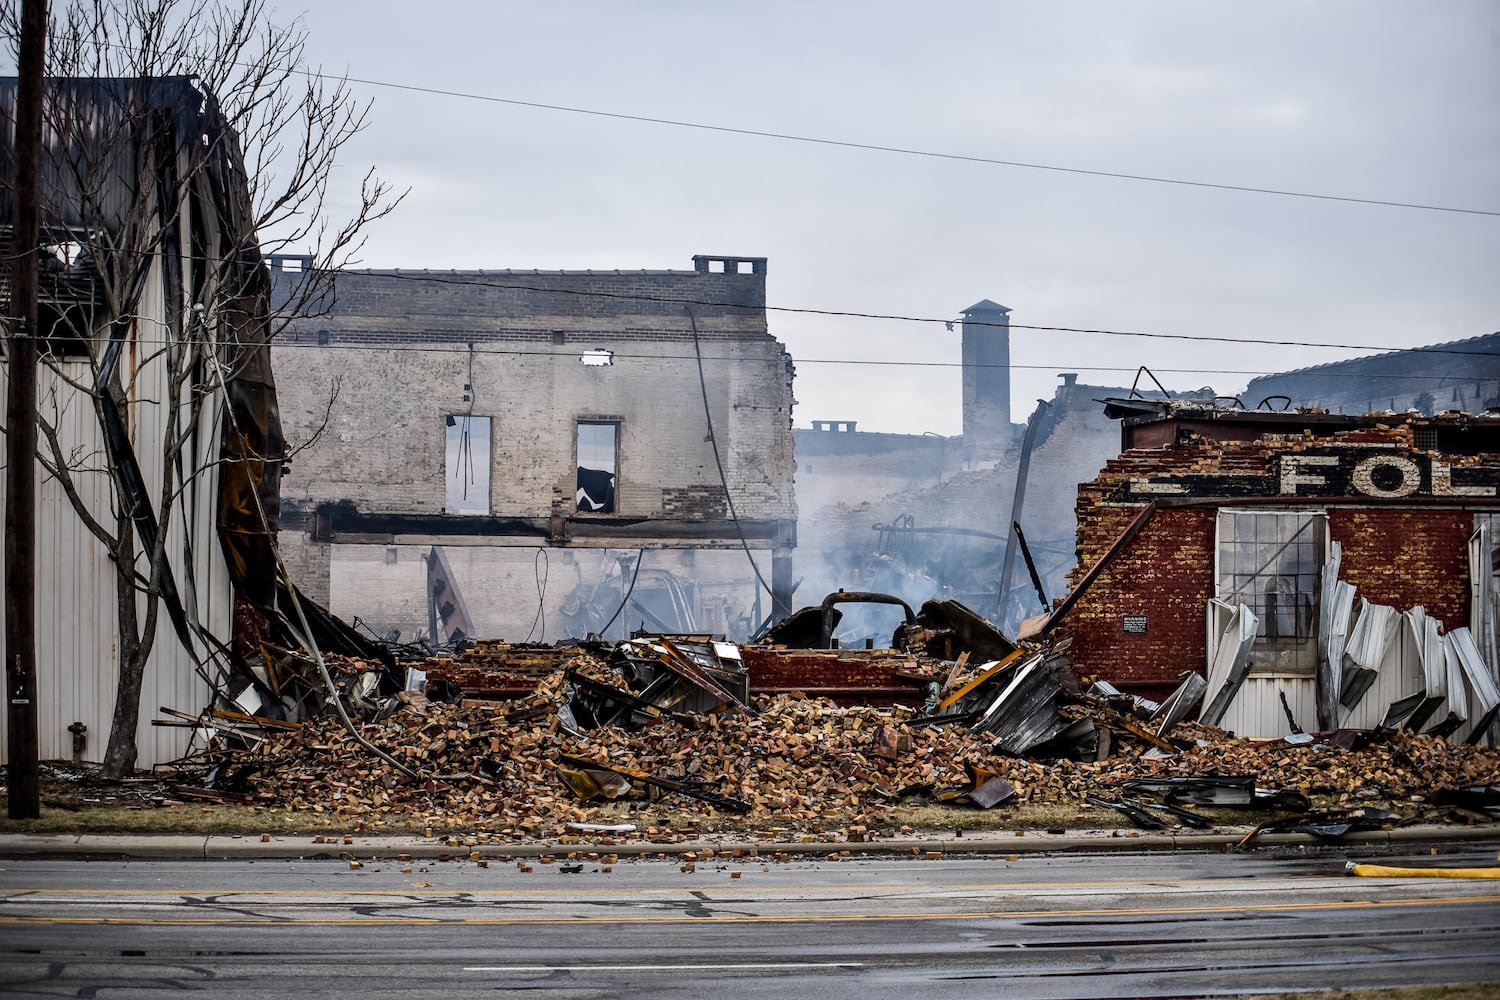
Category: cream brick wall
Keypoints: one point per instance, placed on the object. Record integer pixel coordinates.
(383, 445)
(365, 389)
(398, 352)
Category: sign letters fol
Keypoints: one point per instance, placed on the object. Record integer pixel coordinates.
(1378, 473)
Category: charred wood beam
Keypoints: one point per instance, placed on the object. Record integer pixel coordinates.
(329, 520)
(1017, 502)
(1036, 580)
(344, 521)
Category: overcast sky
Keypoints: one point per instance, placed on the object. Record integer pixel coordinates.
(1374, 99)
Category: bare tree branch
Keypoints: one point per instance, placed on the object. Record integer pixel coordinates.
(156, 245)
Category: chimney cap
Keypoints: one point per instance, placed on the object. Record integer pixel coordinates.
(985, 306)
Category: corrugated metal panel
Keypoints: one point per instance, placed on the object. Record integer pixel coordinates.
(171, 676)
(1256, 711)
(77, 649)
(1399, 674)
(1231, 632)
(74, 593)
(148, 416)
(77, 581)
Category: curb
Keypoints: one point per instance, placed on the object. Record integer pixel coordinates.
(160, 847)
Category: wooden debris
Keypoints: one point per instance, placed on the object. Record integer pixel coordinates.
(516, 772)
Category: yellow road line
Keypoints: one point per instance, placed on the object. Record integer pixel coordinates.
(1361, 904)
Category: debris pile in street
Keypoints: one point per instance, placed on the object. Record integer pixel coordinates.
(669, 728)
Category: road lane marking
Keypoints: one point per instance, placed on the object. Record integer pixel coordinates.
(1157, 911)
(758, 967)
(925, 889)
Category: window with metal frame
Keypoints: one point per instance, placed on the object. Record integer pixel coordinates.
(1271, 561)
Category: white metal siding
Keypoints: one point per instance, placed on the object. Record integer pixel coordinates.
(77, 652)
(1399, 674)
(1256, 710)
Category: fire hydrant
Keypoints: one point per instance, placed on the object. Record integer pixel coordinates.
(78, 729)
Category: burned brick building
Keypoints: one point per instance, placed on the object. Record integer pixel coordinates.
(918, 515)
(838, 463)
(565, 443)
(1345, 547)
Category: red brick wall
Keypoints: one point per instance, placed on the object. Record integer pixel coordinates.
(1403, 557)
(1399, 556)
(1166, 574)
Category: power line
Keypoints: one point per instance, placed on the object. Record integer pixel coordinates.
(459, 345)
(866, 362)
(713, 440)
(896, 317)
(751, 308)
(458, 339)
(903, 150)
(897, 150)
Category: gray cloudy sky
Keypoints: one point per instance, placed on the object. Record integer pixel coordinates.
(1382, 99)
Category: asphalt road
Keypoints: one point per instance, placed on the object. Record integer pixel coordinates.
(1036, 926)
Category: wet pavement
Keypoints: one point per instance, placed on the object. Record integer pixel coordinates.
(1078, 925)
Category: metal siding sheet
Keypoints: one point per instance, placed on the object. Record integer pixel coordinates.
(171, 677)
(74, 597)
(1256, 711)
(1399, 674)
(77, 652)
(68, 591)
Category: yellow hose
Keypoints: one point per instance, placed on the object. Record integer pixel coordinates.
(1386, 871)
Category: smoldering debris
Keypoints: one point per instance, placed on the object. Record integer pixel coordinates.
(521, 741)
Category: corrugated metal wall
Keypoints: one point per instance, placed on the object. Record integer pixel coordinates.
(171, 677)
(77, 646)
(1256, 711)
(74, 591)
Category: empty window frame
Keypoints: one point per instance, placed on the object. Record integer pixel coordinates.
(1272, 561)
(598, 453)
(467, 449)
(70, 297)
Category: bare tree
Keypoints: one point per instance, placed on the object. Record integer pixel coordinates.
(186, 141)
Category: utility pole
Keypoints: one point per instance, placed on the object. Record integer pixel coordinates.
(24, 798)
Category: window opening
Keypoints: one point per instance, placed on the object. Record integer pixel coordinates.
(597, 461)
(1272, 562)
(467, 449)
(70, 295)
